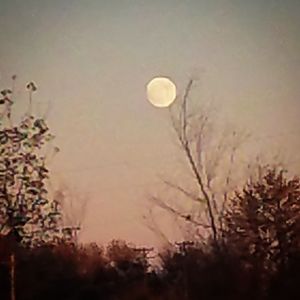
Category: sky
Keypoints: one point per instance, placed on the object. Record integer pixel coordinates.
(91, 61)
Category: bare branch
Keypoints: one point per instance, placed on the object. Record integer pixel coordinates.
(189, 195)
(152, 225)
(172, 210)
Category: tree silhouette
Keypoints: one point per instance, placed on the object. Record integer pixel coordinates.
(209, 152)
(126, 258)
(25, 204)
(263, 223)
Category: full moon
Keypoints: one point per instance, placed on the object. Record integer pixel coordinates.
(161, 91)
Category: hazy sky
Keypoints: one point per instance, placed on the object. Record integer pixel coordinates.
(92, 59)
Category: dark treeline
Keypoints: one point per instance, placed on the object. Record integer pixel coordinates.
(257, 256)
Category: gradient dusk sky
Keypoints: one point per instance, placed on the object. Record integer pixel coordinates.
(91, 60)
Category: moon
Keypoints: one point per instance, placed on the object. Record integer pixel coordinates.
(161, 91)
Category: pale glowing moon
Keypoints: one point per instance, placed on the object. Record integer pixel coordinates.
(161, 91)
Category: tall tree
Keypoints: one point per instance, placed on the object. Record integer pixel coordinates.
(209, 153)
(25, 204)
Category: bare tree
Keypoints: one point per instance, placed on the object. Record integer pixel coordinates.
(210, 153)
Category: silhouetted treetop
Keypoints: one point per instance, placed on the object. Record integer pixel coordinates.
(263, 222)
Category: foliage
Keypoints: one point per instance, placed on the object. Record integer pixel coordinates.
(263, 222)
(124, 256)
(25, 204)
